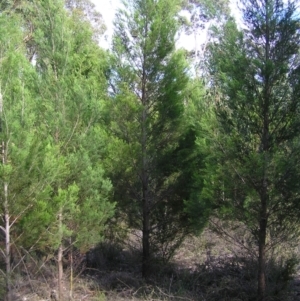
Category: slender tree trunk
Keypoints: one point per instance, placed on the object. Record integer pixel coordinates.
(263, 222)
(59, 260)
(6, 212)
(146, 209)
(262, 251)
(145, 200)
(264, 196)
(71, 272)
(7, 233)
(7, 244)
(146, 244)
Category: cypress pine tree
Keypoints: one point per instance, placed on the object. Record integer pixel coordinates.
(256, 71)
(21, 149)
(148, 82)
(70, 88)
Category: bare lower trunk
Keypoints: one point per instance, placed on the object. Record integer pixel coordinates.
(71, 272)
(7, 244)
(59, 261)
(146, 245)
(262, 236)
(6, 212)
(262, 260)
(7, 230)
(145, 199)
(60, 271)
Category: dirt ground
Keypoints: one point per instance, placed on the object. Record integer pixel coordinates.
(205, 268)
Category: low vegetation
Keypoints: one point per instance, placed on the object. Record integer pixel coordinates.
(204, 268)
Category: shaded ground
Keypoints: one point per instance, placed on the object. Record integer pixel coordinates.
(205, 268)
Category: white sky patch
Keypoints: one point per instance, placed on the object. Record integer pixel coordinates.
(190, 42)
(187, 41)
(233, 5)
(108, 9)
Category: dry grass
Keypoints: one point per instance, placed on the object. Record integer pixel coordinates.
(206, 268)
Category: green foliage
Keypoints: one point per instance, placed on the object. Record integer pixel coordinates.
(154, 159)
(241, 113)
(256, 143)
(72, 83)
(18, 136)
(193, 152)
(80, 127)
(50, 124)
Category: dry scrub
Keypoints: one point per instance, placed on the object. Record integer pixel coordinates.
(206, 268)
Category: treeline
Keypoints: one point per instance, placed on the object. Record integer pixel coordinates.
(157, 138)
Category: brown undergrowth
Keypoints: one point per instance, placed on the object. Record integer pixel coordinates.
(205, 268)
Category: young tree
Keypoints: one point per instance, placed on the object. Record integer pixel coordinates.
(256, 144)
(21, 150)
(70, 87)
(52, 177)
(148, 82)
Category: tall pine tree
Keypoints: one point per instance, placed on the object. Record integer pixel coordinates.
(148, 82)
(257, 151)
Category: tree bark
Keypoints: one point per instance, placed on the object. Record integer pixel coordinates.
(146, 244)
(146, 209)
(264, 196)
(6, 213)
(261, 292)
(263, 218)
(7, 244)
(59, 260)
(71, 272)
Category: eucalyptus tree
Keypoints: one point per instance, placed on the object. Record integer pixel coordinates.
(256, 73)
(202, 15)
(85, 11)
(147, 85)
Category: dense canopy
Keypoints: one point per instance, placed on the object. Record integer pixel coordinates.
(147, 138)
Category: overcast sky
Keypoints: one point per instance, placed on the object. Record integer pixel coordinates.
(108, 7)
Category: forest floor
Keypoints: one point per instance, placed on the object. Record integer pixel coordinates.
(205, 268)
